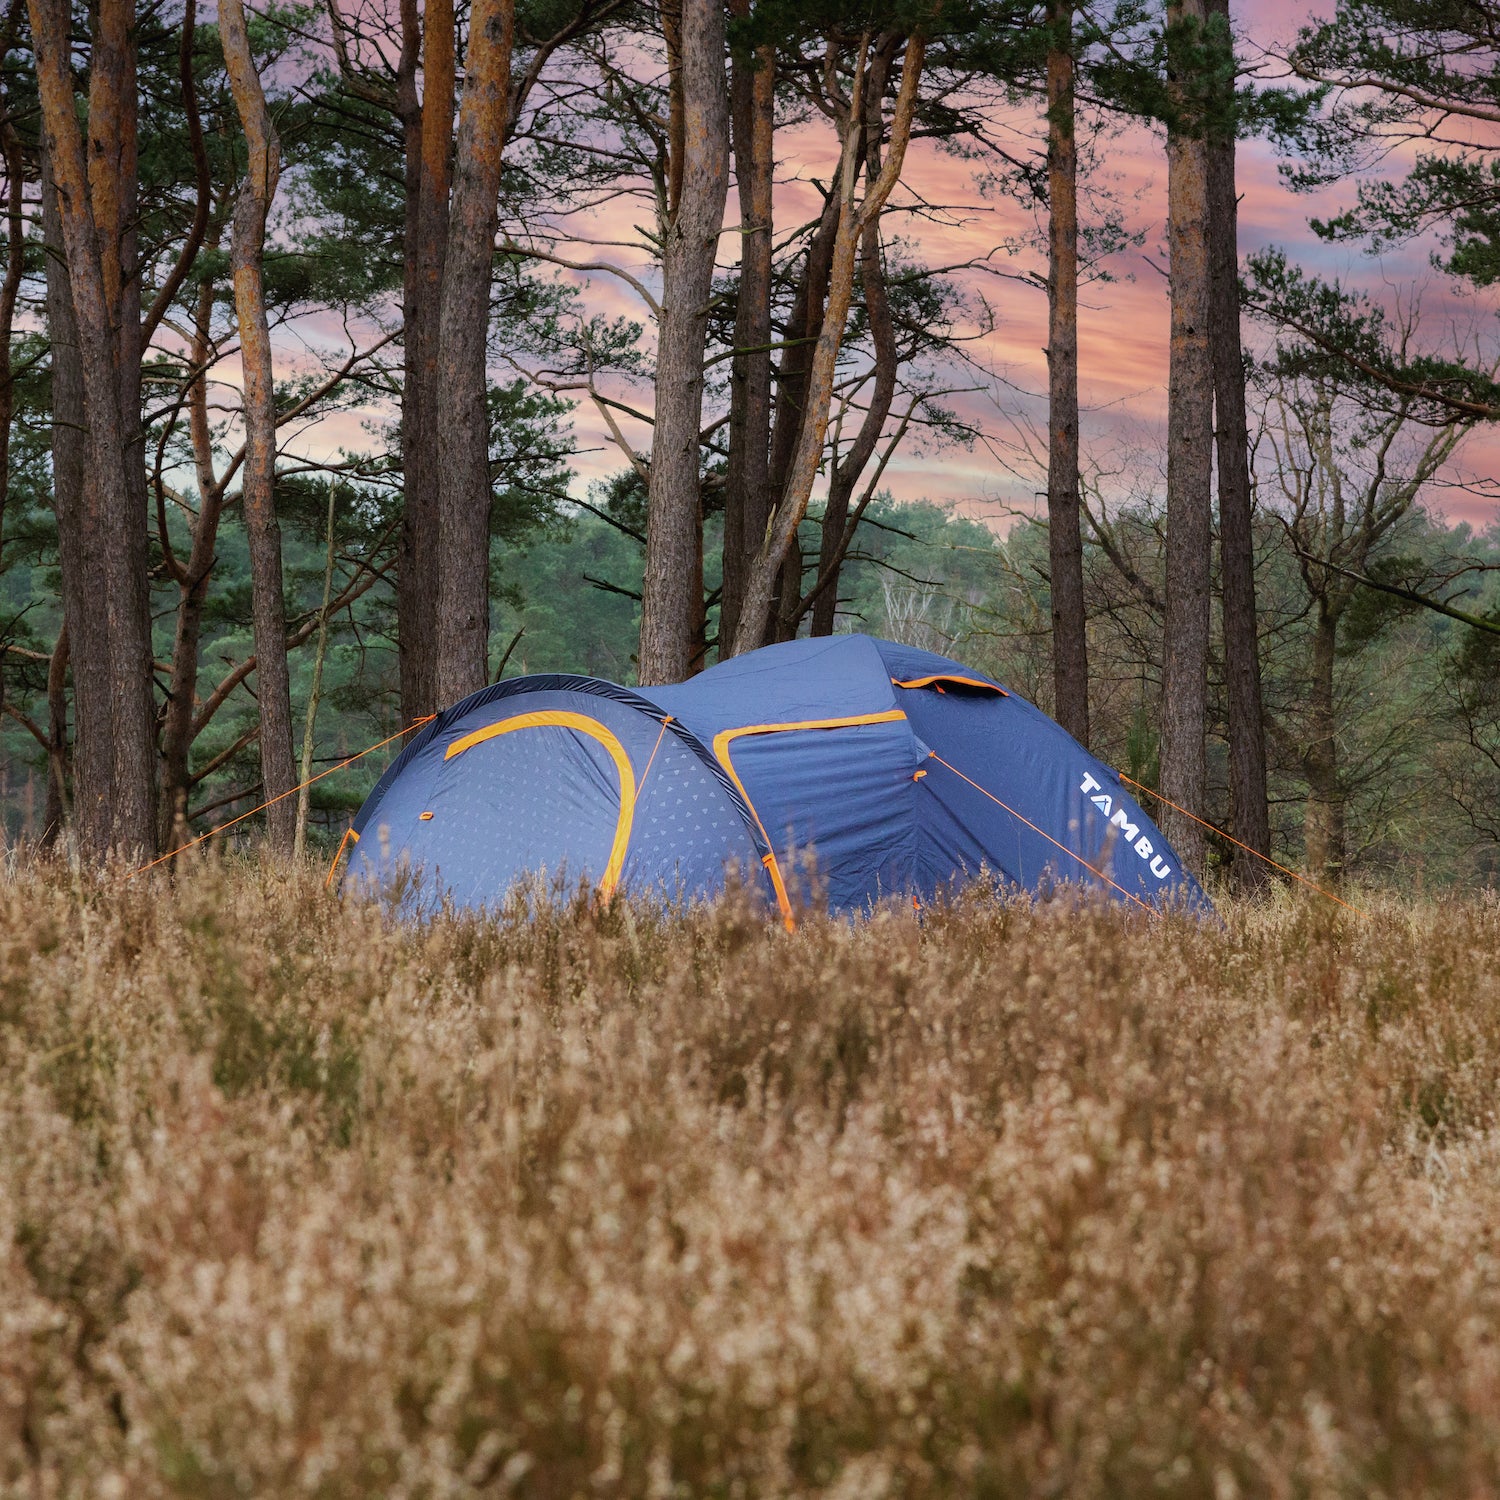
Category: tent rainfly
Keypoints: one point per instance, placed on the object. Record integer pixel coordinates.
(903, 772)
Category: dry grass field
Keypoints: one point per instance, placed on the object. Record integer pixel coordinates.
(1013, 1201)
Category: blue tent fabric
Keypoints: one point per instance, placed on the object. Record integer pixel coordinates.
(548, 801)
(905, 773)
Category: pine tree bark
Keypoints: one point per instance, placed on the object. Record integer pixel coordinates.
(464, 497)
(315, 691)
(95, 197)
(847, 470)
(690, 245)
(93, 753)
(193, 577)
(833, 544)
(854, 217)
(803, 328)
(258, 480)
(1070, 666)
(428, 132)
(1184, 712)
(1247, 731)
(113, 185)
(747, 479)
(804, 325)
(788, 592)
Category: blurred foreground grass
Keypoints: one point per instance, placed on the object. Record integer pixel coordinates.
(1017, 1201)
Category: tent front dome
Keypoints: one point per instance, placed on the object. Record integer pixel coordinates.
(904, 773)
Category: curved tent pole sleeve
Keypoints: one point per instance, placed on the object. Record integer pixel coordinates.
(435, 726)
(939, 678)
(580, 724)
(726, 737)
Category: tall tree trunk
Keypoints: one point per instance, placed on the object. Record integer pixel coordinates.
(95, 198)
(804, 326)
(192, 585)
(854, 217)
(315, 692)
(192, 577)
(1070, 662)
(93, 756)
(788, 591)
(57, 739)
(113, 185)
(847, 470)
(690, 245)
(15, 264)
(428, 130)
(747, 479)
(258, 481)
(1189, 468)
(1325, 800)
(463, 556)
(1247, 729)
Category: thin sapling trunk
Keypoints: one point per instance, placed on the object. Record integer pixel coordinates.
(315, 691)
(257, 490)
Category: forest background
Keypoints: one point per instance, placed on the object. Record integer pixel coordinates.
(341, 342)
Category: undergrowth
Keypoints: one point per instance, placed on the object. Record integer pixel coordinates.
(1005, 1200)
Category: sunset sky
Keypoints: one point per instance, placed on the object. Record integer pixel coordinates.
(1123, 322)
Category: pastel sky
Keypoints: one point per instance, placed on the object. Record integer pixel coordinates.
(1123, 321)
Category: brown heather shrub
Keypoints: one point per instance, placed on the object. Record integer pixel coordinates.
(1013, 1201)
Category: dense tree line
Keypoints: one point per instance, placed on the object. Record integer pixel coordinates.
(221, 233)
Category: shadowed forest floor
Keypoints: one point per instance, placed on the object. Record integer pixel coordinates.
(1015, 1201)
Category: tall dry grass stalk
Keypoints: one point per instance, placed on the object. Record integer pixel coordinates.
(1017, 1201)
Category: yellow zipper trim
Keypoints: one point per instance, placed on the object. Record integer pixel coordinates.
(563, 719)
(726, 737)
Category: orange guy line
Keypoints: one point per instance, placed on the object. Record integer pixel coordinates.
(1129, 895)
(203, 838)
(1238, 845)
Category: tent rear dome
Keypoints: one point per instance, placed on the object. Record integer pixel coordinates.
(904, 772)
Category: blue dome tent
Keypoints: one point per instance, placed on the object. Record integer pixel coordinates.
(904, 772)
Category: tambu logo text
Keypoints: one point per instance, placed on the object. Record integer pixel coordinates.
(1132, 831)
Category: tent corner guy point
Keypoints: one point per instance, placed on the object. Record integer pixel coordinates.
(905, 773)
